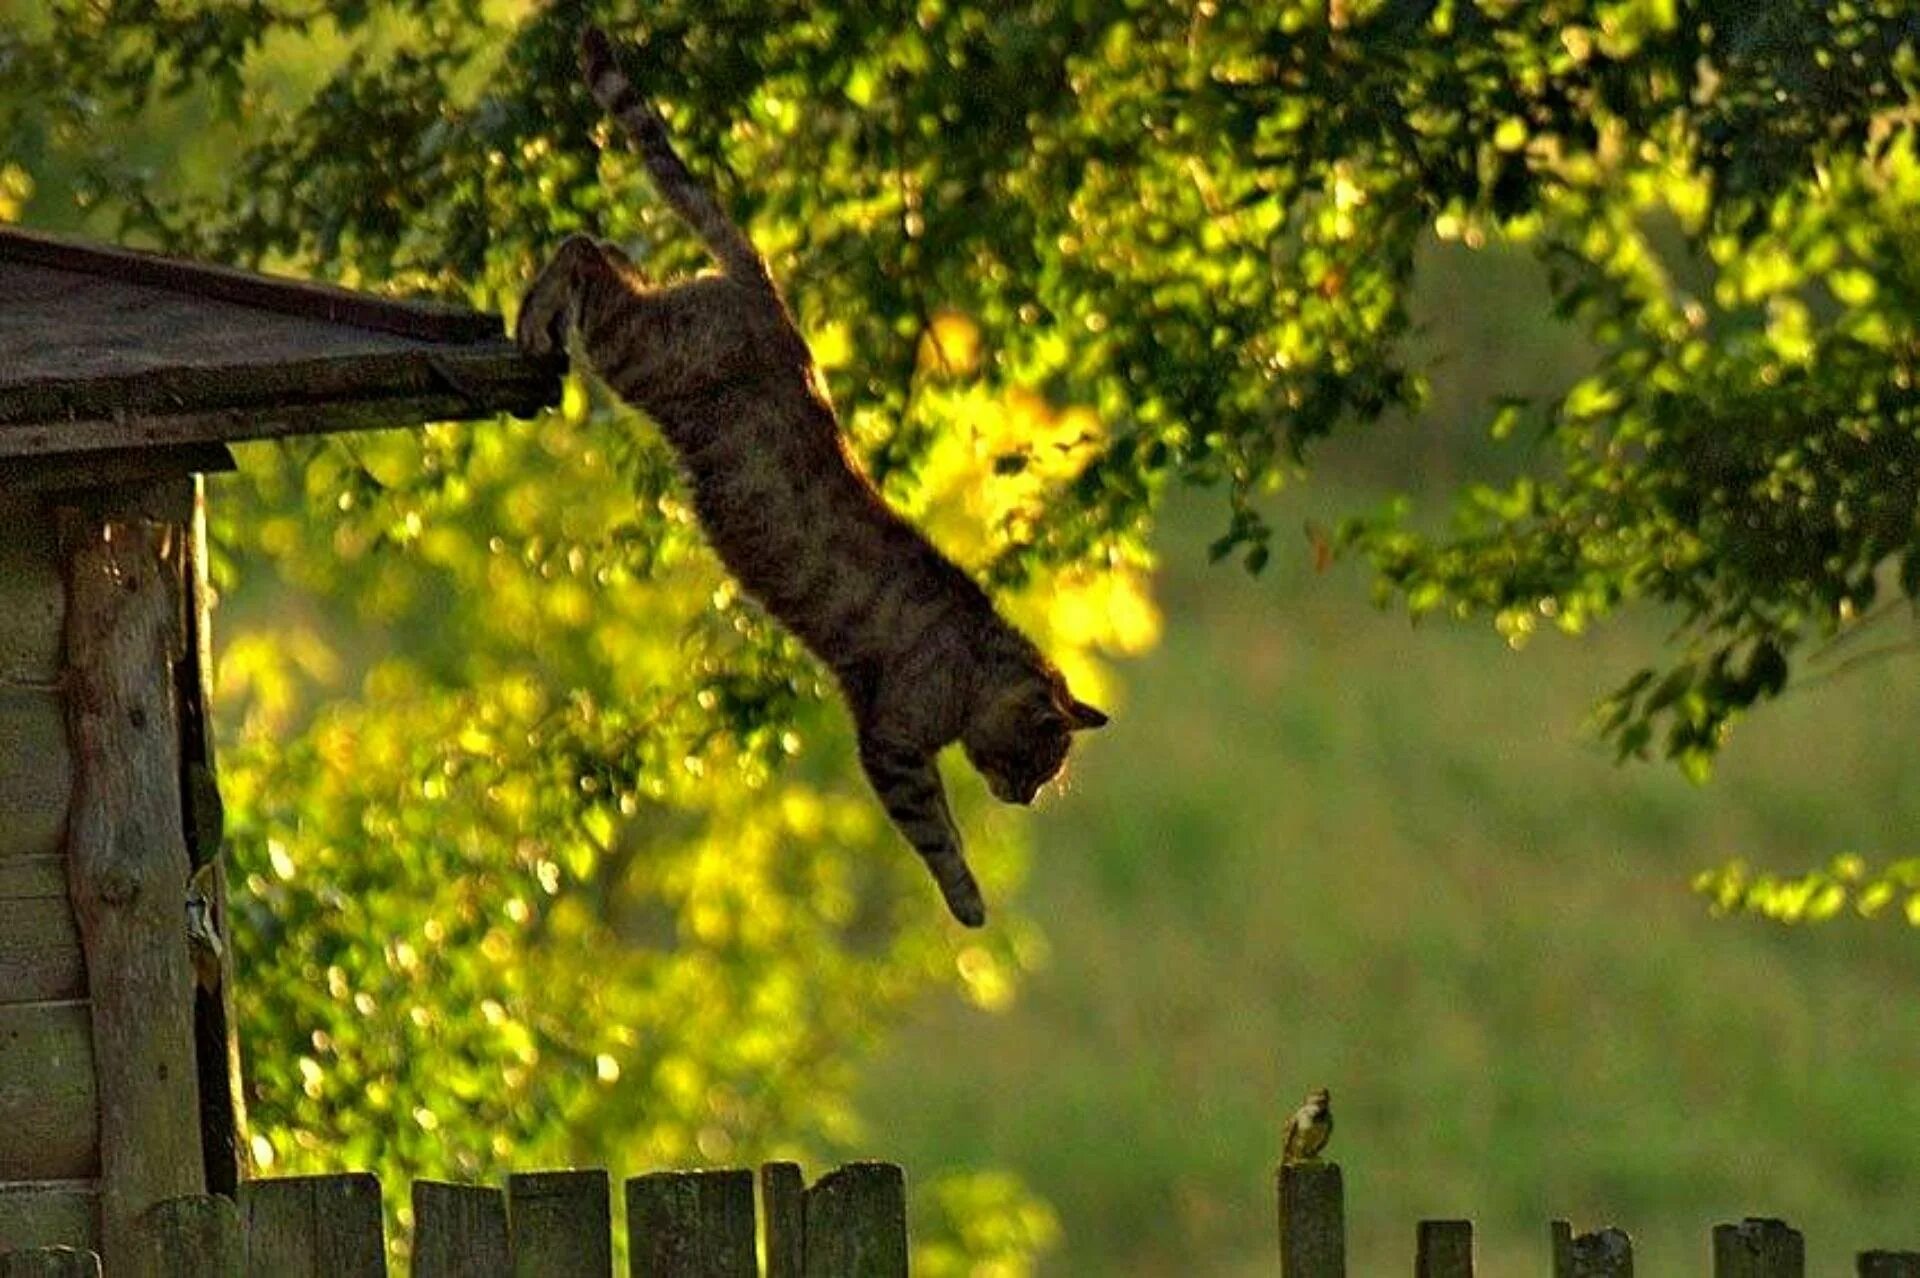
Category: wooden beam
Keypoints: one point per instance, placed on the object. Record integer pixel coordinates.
(487, 378)
(259, 421)
(431, 321)
(127, 862)
(110, 466)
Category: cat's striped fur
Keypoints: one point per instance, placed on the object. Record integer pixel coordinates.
(919, 652)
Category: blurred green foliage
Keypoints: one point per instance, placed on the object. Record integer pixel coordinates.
(506, 743)
(1398, 865)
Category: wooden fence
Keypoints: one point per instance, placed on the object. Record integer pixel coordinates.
(1313, 1242)
(852, 1223)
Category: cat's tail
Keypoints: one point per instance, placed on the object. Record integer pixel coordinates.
(693, 202)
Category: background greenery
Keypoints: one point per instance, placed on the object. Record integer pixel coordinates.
(1325, 847)
(548, 846)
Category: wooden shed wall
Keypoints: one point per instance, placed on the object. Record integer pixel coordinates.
(48, 1111)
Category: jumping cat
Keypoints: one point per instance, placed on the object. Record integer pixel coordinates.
(920, 655)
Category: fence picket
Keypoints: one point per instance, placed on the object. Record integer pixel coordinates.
(459, 1231)
(856, 1223)
(193, 1237)
(314, 1227)
(1605, 1253)
(560, 1224)
(783, 1216)
(1444, 1249)
(691, 1225)
(49, 1262)
(1313, 1230)
(1758, 1248)
(1889, 1264)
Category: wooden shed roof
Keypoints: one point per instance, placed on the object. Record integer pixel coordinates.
(110, 353)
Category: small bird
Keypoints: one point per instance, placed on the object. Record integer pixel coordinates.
(1310, 1128)
(203, 929)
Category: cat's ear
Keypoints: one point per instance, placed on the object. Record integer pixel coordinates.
(1081, 716)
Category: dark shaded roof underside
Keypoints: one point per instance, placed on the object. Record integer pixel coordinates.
(107, 349)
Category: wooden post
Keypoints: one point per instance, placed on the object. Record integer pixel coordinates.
(1605, 1253)
(1889, 1264)
(1757, 1248)
(856, 1223)
(561, 1224)
(191, 1238)
(783, 1216)
(1313, 1230)
(314, 1227)
(49, 1262)
(1444, 1249)
(127, 862)
(459, 1231)
(691, 1225)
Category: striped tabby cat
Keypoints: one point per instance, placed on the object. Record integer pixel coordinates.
(917, 648)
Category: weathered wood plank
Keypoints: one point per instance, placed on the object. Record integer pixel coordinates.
(32, 599)
(196, 1237)
(110, 466)
(1444, 1249)
(459, 1231)
(856, 1223)
(32, 878)
(36, 785)
(314, 1227)
(278, 419)
(488, 377)
(49, 1262)
(427, 320)
(48, 1214)
(40, 951)
(1757, 1248)
(691, 1225)
(48, 1105)
(783, 1219)
(1313, 1229)
(560, 1224)
(1889, 1264)
(127, 862)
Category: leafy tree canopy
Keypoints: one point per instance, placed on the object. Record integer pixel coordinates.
(1053, 257)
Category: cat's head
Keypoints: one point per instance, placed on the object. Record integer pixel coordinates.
(1019, 736)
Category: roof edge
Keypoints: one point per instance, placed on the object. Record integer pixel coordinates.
(423, 321)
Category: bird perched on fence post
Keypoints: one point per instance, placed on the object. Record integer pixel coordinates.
(1310, 1128)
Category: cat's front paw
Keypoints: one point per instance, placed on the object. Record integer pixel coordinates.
(962, 895)
(537, 332)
